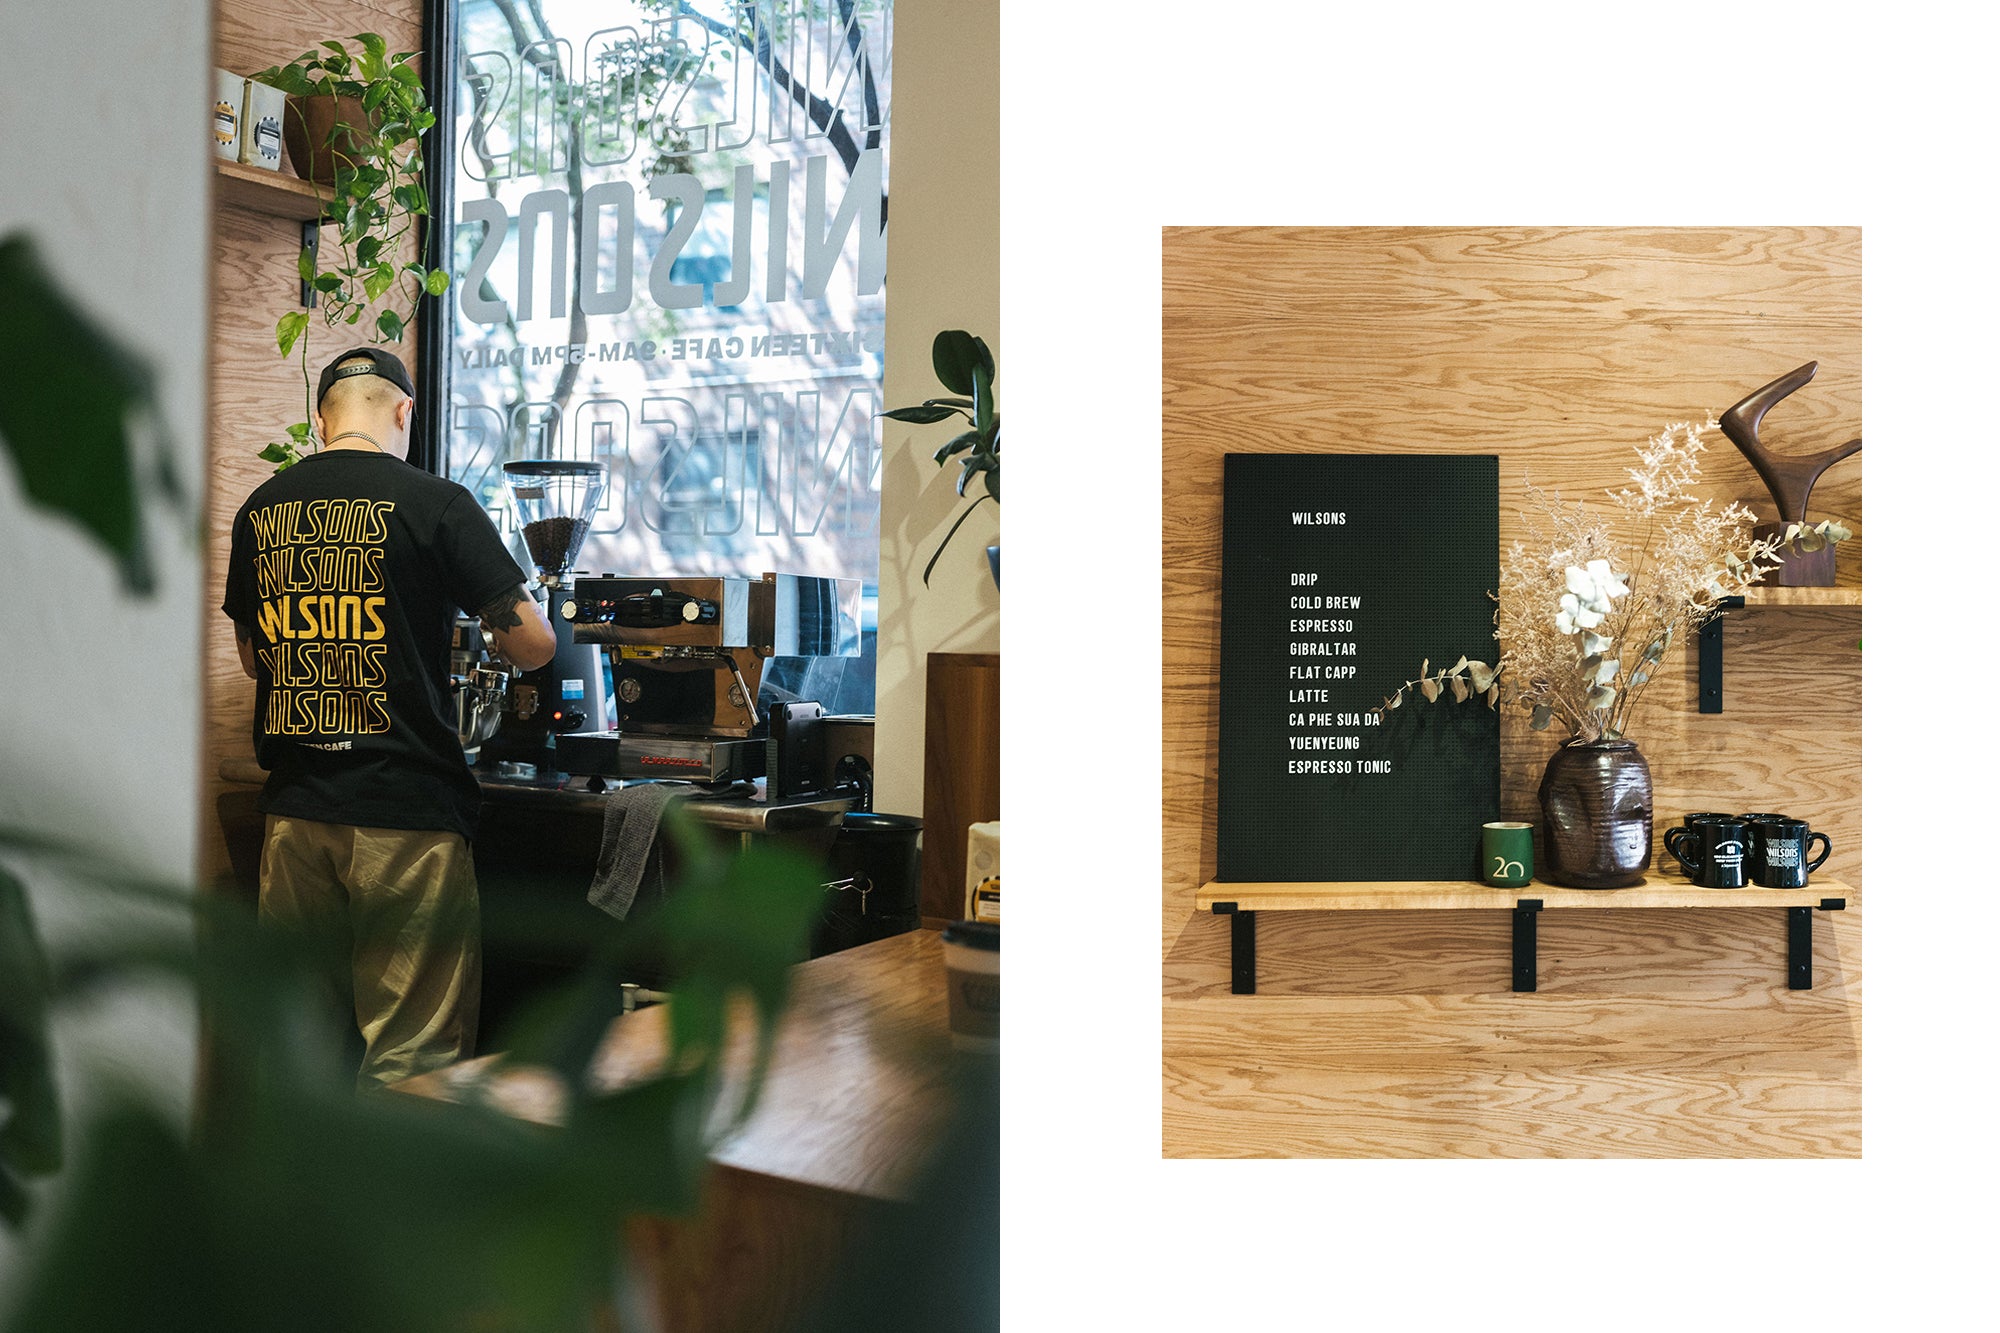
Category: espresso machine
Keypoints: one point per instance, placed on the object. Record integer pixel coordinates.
(687, 662)
(555, 500)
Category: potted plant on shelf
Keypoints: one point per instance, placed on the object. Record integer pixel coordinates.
(964, 365)
(1585, 615)
(353, 121)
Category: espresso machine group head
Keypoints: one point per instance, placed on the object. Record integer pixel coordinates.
(687, 662)
(555, 500)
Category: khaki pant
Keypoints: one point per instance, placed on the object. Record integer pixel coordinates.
(401, 908)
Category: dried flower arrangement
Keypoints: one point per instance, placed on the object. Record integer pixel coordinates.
(1584, 622)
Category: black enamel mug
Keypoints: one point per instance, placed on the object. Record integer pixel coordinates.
(1712, 851)
(1755, 849)
(1783, 846)
(1687, 822)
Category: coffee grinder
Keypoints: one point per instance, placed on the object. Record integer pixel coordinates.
(554, 501)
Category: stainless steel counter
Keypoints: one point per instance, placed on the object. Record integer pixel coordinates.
(740, 810)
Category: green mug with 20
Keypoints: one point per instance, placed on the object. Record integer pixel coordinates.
(1507, 854)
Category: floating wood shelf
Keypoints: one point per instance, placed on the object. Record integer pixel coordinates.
(1242, 901)
(1709, 646)
(262, 190)
(1802, 597)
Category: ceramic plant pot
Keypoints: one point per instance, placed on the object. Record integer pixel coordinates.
(1597, 816)
(309, 121)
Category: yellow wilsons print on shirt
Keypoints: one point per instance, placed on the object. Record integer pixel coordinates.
(321, 594)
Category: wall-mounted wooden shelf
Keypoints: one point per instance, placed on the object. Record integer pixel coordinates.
(1242, 902)
(1709, 646)
(1802, 597)
(261, 190)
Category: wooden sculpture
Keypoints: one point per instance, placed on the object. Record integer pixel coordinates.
(1790, 479)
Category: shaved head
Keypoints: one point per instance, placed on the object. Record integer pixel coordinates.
(365, 407)
(369, 394)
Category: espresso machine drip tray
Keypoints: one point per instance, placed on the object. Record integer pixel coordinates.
(610, 754)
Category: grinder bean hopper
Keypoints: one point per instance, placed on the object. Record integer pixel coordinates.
(555, 500)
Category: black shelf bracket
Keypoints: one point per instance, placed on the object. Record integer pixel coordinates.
(1525, 912)
(1242, 948)
(309, 245)
(1710, 660)
(1798, 941)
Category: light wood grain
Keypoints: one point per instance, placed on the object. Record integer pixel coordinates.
(1361, 896)
(1554, 1108)
(860, 1088)
(253, 34)
(261, 190)
(1510, 1029)
(859, 1085)
(1559, 350)
(1720, 954)
(1802, 597)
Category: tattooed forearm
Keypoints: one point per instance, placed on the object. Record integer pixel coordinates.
(503, 612)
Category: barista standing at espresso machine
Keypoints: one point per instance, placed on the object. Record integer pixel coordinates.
(345, 573)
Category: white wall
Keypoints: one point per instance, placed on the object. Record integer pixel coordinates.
(105, 162)
(944, 273)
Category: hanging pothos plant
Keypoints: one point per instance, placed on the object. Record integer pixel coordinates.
(376, 197)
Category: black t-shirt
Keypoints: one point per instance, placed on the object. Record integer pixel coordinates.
(348, 569)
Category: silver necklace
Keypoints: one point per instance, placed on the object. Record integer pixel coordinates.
(353, 434)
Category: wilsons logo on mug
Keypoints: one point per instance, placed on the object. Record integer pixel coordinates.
(1780, 859)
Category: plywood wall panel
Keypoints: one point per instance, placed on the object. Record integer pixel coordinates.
(253, 34)
(1559, 350)
(1583, 1109)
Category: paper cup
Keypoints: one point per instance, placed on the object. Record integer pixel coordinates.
(972, 980)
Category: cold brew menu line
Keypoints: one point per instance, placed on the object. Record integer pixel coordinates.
(1341, 574)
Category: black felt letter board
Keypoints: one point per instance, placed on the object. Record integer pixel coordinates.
(1341, 573)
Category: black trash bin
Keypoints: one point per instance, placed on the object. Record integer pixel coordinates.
(871, 892)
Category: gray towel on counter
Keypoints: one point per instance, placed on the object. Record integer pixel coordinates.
(628, 857)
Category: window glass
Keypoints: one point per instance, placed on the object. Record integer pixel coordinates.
(669, 256)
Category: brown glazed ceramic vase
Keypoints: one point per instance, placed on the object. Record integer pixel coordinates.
(1597, 816)
(308, 122)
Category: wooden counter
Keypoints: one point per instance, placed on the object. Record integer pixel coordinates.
(858, 1094)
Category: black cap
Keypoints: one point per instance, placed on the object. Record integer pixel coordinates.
(365, 361)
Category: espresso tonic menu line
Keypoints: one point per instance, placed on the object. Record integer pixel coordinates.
(1341, 574)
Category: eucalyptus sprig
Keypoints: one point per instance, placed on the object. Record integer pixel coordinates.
(964, 365)
(1809, 537)
(1463, 679)
(378, 197)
